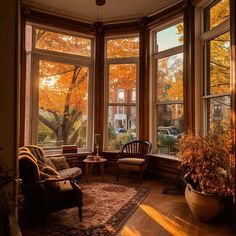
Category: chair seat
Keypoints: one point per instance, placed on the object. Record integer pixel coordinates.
(131, 161)
(70, 172)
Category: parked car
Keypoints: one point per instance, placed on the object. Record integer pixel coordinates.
(168, 131)
(176, 131)
(120, 131)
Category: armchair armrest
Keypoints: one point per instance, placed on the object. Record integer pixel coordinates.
(46, 181)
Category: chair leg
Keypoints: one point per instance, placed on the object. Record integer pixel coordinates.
(80, 213)
(79, 196)
(117, 173)
(141, 175)
(80, 203)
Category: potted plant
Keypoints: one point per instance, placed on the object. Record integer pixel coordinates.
(207, 166)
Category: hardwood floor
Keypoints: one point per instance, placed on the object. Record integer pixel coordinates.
(168, 214)
(161, 214)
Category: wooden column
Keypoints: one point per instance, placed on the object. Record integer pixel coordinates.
(99, 82)
(143, 80)
(188, 83)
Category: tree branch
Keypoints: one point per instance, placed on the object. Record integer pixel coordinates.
(48, 123)
(74, 137)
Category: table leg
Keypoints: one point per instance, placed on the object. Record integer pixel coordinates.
(102, 169)
(91, 169)
(87, 171)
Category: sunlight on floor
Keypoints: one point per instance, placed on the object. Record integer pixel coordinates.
(126, 231)
(171, 226)
(185, 222)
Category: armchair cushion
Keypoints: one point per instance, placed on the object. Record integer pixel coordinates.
(131, 161)
(70, 172)
(59, 162)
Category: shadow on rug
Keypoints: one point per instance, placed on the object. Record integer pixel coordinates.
(106, 207)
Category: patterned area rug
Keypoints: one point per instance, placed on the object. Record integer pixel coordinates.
(106, 208)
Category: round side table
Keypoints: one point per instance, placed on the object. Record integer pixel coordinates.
(89, 166)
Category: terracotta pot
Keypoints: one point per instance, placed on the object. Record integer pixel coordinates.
(205, 207)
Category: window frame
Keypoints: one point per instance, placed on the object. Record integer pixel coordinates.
(58, 57)
(155, 56)
(205, 37)
(107, 104)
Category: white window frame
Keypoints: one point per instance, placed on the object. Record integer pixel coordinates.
(107, 104)
(200, 61)
(155, 56)
(60, 57)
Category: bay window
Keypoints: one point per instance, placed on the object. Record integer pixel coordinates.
(216, 46)
(168, 83)
(58, 107)
(121, 65)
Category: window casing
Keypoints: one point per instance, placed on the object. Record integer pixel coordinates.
(167, 86)
(58, 88)
(121, 72)
(215, 41)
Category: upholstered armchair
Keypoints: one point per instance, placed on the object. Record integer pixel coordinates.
(43, 189)
(133, 157)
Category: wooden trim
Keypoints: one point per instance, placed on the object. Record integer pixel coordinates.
(233, 83)
(188, 83)
(121, 28)
(166, 15)
(22, 83)
(164, 168)
(35, 16)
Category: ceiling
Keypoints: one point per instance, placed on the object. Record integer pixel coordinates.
(113, 10)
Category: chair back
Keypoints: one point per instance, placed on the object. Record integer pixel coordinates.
(136, 149)
(28, 168)
(38, 153)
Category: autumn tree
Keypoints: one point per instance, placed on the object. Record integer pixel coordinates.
(63, 88)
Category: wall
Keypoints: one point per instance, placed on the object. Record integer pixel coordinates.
(8, 89)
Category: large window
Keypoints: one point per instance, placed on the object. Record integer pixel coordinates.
(58, 88)
(216, 42)
(121, 83)
(168, 83)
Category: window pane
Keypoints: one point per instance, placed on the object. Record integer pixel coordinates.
(170, 78)
(125, 47)
(121, 125)
(122, 83)
(218, 65)
(216, 13)
(66, 43)
(170, 37)
(218, 111)
(63, 104)
(170, 127)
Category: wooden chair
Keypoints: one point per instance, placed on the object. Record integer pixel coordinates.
(133, 157)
